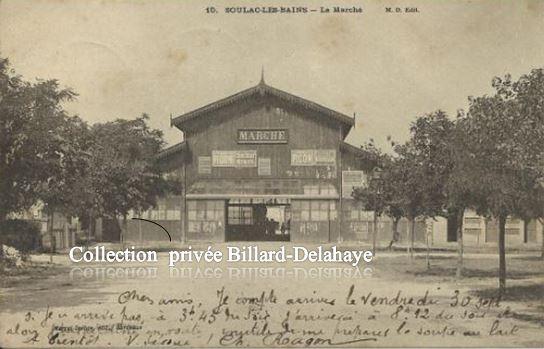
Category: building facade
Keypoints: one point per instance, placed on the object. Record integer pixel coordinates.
(261, 165)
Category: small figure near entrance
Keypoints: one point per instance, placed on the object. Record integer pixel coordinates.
(272, 226)
(285, 227)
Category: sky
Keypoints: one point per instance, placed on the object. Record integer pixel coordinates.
(164, 58)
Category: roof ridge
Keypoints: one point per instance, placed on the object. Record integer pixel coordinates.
(262, 88)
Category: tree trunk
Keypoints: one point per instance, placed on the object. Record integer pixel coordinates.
(2, 220)
(90, 227)
(502, 254)
(408, 237)
(394, 232)
(140, 236)
(124, 231)
(374, 232)
(427, 255)
(395, 228)
(460, 246)
(542, 228)
(51, 235)
(526, 223)
(412, 236)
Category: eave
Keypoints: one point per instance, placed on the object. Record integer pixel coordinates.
(176, 149)
(262, 90)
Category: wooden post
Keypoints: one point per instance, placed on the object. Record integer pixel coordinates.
(502, 254)
(51, 236)
(541, 220)
(413, 236)
(340, 201)
(427, 256)
(408, 237)
(460, 245)
(185, 212)
(374, 228)
(66, 234)
(140, 228)
(89, 230)
(124, 230)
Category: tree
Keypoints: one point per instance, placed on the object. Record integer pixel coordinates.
(410, 185)
(123, 173)
(529, 93)
(31, 120)
(380, 196)
(401, 189)
(64, 190)
(32, 144)
(504, 162)
(439, 147)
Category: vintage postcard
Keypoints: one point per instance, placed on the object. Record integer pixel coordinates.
(271, 174)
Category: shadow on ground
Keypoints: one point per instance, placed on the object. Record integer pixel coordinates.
(520, 293)
(42, 285)
(475, 273)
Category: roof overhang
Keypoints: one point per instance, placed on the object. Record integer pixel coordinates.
(175, 149)
(259, 91)
(169, 157)
(344, 146)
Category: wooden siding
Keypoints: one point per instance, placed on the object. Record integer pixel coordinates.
(305, 132)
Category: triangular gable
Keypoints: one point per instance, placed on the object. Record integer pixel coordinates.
(262, 90)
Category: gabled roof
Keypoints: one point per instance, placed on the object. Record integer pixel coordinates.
(351, 148)
(175, 149)
(262, 89)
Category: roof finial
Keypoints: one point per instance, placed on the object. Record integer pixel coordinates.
(262, 75)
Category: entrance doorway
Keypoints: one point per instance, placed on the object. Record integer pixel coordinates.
(258, 222)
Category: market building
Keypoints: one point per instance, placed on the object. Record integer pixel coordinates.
(260, 165)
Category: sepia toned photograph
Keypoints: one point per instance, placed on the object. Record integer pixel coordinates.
(265, 174)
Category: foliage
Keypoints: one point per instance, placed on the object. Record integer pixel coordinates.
(379, 195)
(505, 132)
(31, 137)
(47, 155)
(23, 235)
(122, 171)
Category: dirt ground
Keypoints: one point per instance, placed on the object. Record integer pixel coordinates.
(392, 301)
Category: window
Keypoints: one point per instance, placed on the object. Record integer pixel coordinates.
(168, 208)
(512, 231)
(205, 216)
(472, 220)
(313, 210)
(473, 231)
(323, 211)
(305, 211)
(357, 213)
(512, 220)
(311, 189)
(240, 215)
(173, 214)
(162, 210)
